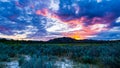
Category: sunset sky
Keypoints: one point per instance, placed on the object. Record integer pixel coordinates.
(48, 19)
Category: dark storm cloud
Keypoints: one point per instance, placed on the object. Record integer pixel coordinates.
(90, 8)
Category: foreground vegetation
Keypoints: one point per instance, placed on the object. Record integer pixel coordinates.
(102, 54)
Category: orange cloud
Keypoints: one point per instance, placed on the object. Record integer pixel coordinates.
(43, 12)
(97, 25)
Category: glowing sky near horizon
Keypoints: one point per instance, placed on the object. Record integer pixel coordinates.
(48, 19)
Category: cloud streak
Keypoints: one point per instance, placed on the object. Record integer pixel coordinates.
(79, 19)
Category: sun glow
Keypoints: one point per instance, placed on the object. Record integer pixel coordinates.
(74, 28)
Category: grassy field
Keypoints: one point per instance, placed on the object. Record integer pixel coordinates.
(92, 55)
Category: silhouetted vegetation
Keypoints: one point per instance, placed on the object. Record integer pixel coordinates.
(102, 53)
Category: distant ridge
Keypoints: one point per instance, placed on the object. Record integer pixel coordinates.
(60, 40)
(71, 40)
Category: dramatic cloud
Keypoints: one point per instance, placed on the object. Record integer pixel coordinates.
(47, 19)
